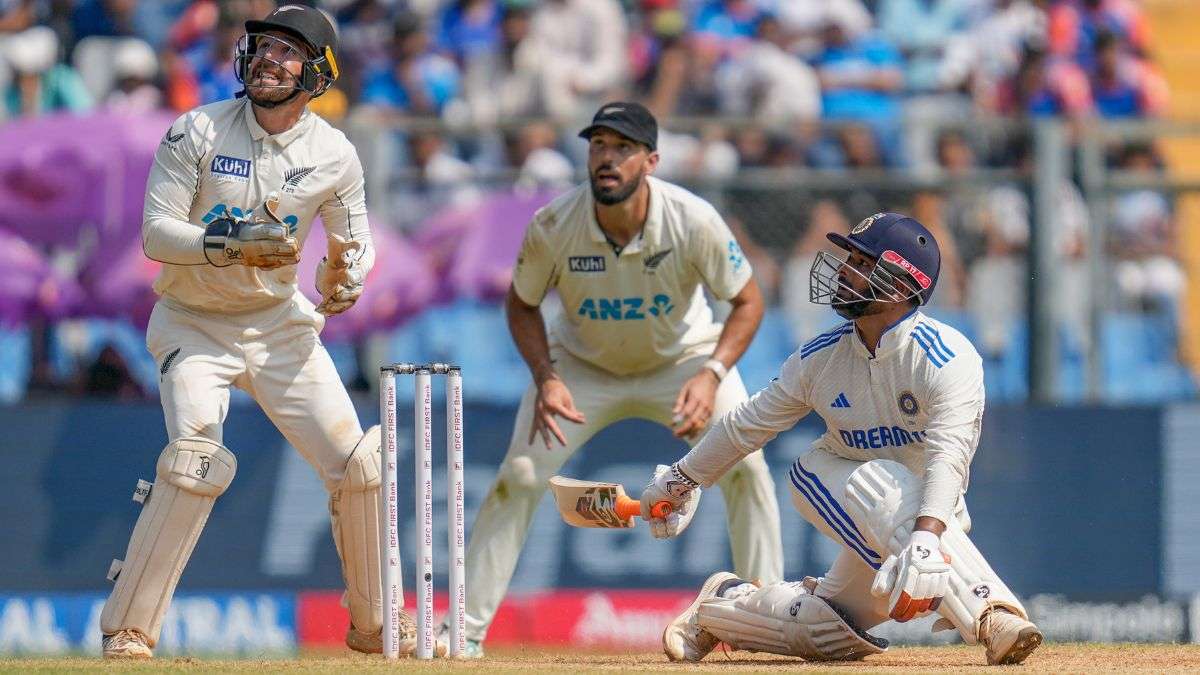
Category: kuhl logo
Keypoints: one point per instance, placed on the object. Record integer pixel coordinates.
(624, 309)
(231, 166)
(586, 263)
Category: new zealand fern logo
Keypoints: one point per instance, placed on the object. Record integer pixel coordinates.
(651, 263)
(292, 177)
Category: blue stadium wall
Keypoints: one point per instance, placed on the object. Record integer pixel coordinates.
(1094, 504)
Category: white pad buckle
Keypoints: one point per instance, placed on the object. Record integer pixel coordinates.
(142, 492)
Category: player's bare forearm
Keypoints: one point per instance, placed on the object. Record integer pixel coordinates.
(741, 325)
(528, 331)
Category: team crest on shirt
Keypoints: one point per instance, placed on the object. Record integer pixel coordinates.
(908, 403)
(651, 263)
(293, 177)
(865, 224)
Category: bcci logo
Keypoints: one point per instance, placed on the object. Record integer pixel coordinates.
(908, 404)
(865, 224)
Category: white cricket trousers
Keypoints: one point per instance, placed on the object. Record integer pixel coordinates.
(499, 531)
(275, 355)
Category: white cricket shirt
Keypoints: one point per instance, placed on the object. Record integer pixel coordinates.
(918, 401)
(217, 158)
(641, 309)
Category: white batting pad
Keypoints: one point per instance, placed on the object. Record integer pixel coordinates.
(355, 511)
(783, 618)
(191, 473)
(885, 497)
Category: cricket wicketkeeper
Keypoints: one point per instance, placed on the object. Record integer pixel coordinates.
(233, 192)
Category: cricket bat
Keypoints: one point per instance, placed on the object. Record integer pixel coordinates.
(585, 503)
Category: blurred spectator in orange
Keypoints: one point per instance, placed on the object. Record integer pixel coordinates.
(135, 68)
(39, 82)
(418, 81)
(1044, 85)
(1124, 86)
(1075, 26)
(1143, 239)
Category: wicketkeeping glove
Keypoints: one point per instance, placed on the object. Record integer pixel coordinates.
(916, 580)
(669, 485)
(339, 276)
(263, 242)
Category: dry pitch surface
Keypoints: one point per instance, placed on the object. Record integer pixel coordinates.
(1050, 658)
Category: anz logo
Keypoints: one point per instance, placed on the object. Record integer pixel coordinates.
(624, 309)
(219, 210)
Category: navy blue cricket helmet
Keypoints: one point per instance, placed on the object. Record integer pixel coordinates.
(907, 262)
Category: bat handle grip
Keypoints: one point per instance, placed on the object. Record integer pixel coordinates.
(628, 507)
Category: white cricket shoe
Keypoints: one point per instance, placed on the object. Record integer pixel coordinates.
(1008, 637)
(126, 644)
(474, 648)
(684, 639)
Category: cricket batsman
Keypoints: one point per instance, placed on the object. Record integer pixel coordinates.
(630, 257)
(902, 398)
(233, 192)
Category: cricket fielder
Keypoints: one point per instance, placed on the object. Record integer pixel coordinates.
(902, 398)
(630, 256)
(233, 192)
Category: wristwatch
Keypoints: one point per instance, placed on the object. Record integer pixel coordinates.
(718, 368)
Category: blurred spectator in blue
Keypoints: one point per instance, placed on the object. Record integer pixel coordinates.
(107, 18)
(803, 22)
(1122, 85)
(505, 83)
(990, 51)
(1076, 24)
(39, 82)
(1143, 239)
(418, 81)
(765, 82)
(211, 58)
(1043, 85)
(921, 30)
(135, 68)
(365, 29)
(730, 23)
(583, 46)
(861, 80)
(469, 27)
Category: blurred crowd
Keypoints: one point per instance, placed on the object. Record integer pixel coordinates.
(865, 85)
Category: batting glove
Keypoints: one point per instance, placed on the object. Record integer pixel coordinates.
(915, 581)
(339, 276)
(670, 485)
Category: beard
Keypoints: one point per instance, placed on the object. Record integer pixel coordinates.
(271, 95)
(850, 307)
(616, 194)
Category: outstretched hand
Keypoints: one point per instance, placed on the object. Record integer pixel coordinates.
(553, 400)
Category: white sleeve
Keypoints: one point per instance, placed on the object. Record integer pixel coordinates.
(344, 213)
(167, 236)
(750, 426)
(955, 421)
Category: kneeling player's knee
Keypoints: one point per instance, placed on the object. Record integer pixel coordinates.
(197, 465)
(363, 467)
(521, 474)
(884, 497)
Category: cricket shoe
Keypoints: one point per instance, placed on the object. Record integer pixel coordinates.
(126, 644)
(1008, 637)
(372, 643)
(684, 639)
(473, 649)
